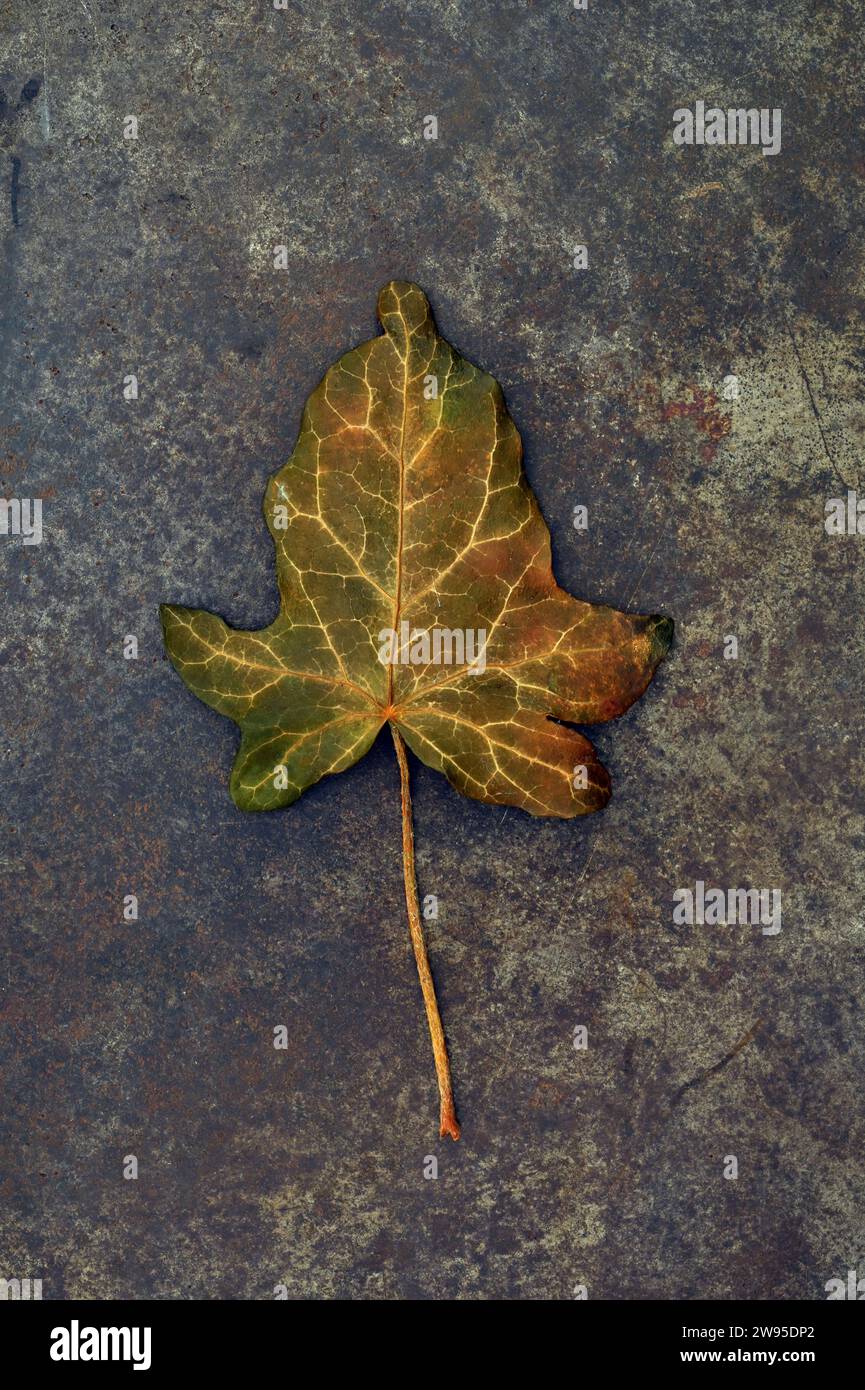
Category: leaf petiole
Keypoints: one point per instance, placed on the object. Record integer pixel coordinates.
(448, 1118)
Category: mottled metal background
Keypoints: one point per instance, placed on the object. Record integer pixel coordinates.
(155, 257)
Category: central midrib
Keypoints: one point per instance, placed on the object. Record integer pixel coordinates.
(398, 591)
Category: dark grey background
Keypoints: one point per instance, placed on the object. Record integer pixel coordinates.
(305, 1167)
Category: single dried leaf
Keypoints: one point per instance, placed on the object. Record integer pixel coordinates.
(394, 509)
(404, 510)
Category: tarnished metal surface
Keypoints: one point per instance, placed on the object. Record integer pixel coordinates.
(304, 1167)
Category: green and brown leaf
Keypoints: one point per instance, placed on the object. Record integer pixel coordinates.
(403, 506)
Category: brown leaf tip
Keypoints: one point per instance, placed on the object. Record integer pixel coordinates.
(403, 311)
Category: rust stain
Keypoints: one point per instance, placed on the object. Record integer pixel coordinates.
(702, 408)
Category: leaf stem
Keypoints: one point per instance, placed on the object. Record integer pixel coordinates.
(448, 1117)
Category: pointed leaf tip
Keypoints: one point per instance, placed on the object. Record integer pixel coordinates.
(404, 311)
(662, 637)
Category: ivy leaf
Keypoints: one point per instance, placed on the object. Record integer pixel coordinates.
(416, 590)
